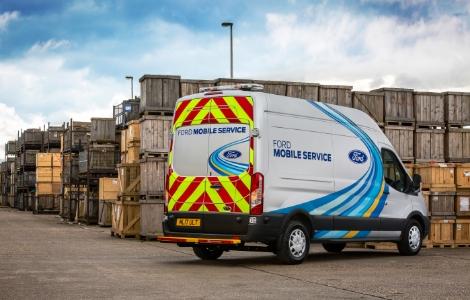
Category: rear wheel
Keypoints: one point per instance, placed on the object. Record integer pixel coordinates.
(294, 244)
(334, 247)
(411, 239)
(207, 252)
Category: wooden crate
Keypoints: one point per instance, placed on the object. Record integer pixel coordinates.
(48, 160)
(335, 94)
(398, 104)
(436, 176)
(462, 176)
(133, 132)
(98, 158)
(52, 135)
(457, 108)
(302, 90)
(457, 145)
(28, 158)
(441, 231)
(125, 219)
(273, 87)
(31, 136)
(48, 188)
(442, 203)
(159, 93)
(129, 179)
(402, 140)
(189, 87)
(105, 213)
(462, 204)
(46, 204)
(132, 155)
(108, 188)
(10, 147)
(152, 176)
(371, 103)
(103, 130)
(429, 145)
(154, 134)
(151, 218)
(429, 108)
(462, 231)
(77, 133)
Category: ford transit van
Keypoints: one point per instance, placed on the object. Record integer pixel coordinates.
(250, 170)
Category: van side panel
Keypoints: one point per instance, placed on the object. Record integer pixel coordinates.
(300, 161)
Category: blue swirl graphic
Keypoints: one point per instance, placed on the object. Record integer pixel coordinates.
(359, 197)
(222, 165)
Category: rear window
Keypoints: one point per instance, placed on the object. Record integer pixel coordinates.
(211, 149)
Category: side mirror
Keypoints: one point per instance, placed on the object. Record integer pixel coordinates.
(416, 182)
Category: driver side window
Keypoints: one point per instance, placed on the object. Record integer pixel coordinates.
(394, 174)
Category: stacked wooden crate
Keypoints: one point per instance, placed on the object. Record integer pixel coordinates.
(108, 194)
(3, 180)
(48, 182)
(399, 120)
(97, 159)
(155, 130)
(9, 188)
(126, 210)
(430, 127)
(30, 143)
(457, 117)
(462, 204)
(75, 138)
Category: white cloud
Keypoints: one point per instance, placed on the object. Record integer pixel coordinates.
(42, 89)
(52, 44)
(7, 17)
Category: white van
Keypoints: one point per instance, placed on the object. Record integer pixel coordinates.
(255, 171)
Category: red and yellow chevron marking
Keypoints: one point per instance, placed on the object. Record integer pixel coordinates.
(218, 110)
(195, 193)
(189, 193)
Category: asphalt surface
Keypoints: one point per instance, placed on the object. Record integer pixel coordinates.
(43, 258)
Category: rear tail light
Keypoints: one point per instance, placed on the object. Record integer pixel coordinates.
(257, 194)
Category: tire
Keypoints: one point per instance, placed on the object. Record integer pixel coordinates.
(294, 244)
(411, 239)
(207, 252)
(334, 247)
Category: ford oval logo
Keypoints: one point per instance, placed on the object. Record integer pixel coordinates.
(357, 156)
(232, 154)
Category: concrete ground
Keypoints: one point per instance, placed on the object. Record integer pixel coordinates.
(44, 258)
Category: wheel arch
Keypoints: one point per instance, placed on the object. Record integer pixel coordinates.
(422, 220)
(299, 215)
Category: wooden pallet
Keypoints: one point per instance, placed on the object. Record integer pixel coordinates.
(404, 123)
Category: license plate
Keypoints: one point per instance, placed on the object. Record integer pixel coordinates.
(183, 222)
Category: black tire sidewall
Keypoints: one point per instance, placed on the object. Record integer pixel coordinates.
(284, 252)
(207, 252)
(404, 246)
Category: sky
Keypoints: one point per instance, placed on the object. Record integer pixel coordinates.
(62, 59)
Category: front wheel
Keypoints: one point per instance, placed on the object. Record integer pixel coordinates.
(207, 252)
(294, 244)
(334, 247)
(411, 239)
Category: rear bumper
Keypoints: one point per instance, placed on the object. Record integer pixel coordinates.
(222, 227)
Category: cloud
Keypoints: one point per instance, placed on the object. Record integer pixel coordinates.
(7, 17)
(37, 89)
(52, 44)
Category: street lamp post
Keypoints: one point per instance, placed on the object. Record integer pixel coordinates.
(230, 24)
(132, 85)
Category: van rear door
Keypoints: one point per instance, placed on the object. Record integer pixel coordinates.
(211, 160)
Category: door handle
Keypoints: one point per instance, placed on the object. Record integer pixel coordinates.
(216, 186)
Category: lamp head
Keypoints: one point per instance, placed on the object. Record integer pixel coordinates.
(227, 24)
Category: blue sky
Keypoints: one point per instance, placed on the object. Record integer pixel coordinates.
(62, 59)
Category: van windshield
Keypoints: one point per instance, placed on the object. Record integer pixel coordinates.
(211, 150)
